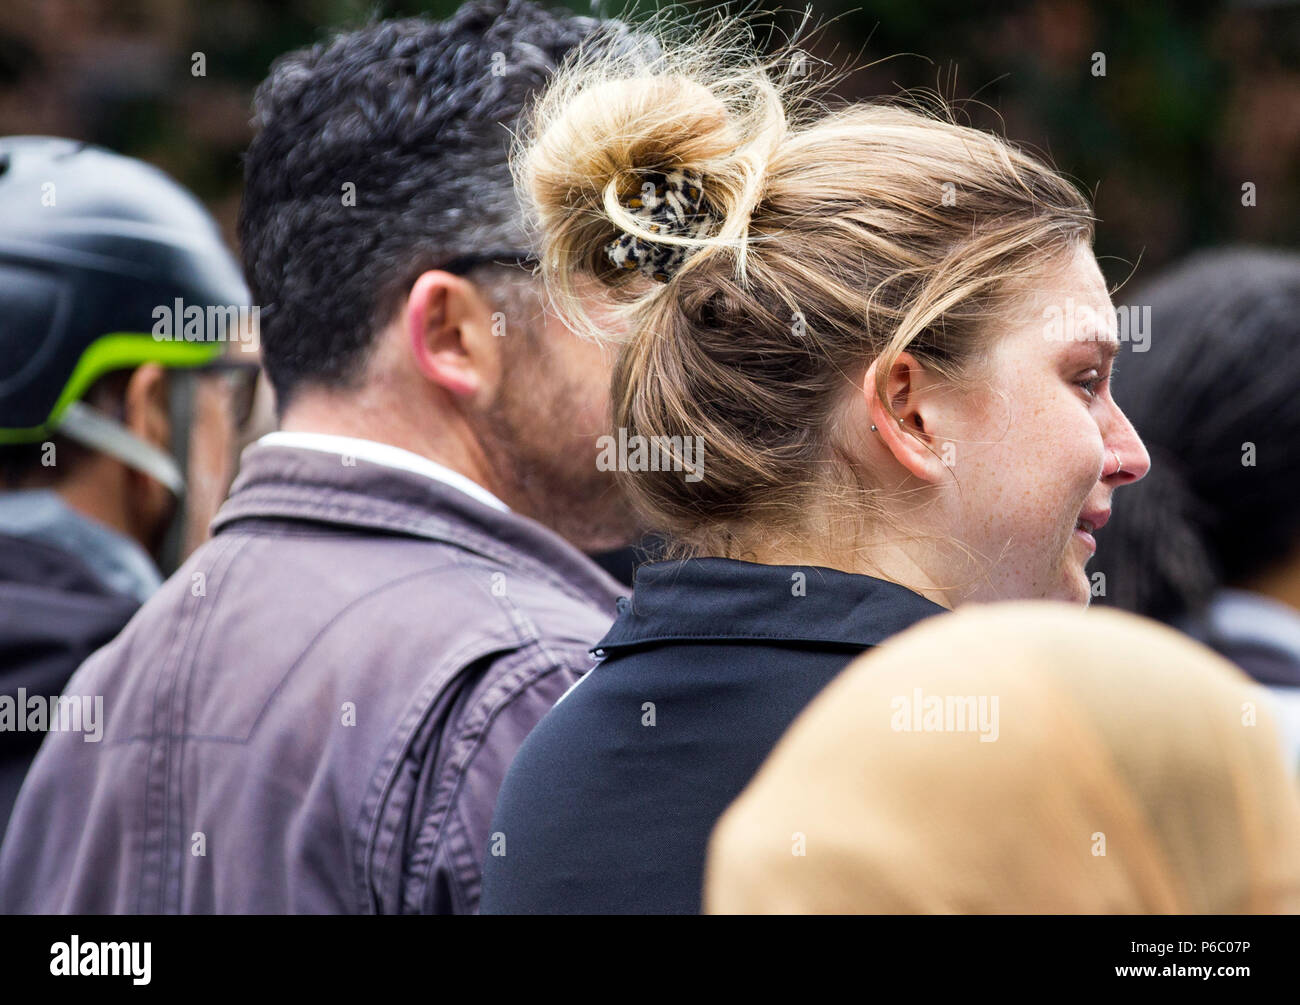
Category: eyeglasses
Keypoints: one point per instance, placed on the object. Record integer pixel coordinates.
(240, 378)
(504, 257)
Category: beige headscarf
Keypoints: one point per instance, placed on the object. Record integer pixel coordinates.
(1124, 769)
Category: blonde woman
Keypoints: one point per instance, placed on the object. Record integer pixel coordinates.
(850, 391)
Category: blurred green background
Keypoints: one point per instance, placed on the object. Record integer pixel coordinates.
(1197, 100)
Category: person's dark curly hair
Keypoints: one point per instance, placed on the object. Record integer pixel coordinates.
(417, 116)
(1215, 402)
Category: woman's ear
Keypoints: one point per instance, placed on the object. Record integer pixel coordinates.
(906, 433)
(449, 328)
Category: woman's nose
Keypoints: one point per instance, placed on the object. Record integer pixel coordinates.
(1134, 461)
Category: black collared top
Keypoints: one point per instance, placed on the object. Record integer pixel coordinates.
(608, 807)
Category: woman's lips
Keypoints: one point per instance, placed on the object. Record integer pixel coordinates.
(1089, 522)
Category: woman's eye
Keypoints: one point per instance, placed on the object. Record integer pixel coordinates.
(1091, 383)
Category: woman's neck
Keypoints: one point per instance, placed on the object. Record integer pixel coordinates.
(880, 559)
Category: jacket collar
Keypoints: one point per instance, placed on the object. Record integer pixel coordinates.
(383, 453)
(725, 600)
(291, 483)
(116, 561)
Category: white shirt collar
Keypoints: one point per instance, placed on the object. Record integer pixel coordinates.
(387, 455)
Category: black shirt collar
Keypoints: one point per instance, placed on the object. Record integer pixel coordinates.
(725, 600)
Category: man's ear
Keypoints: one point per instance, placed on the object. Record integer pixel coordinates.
(449, 329)
(909, 436)
(149, 504)
(144, 408)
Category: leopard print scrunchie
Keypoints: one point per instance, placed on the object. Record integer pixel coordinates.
(670, 202)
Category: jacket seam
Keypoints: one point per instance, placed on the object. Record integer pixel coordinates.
(231, 556)
(189, 615)
(447, 810)
(370, 821)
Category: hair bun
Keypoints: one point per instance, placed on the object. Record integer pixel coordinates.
(641, 162)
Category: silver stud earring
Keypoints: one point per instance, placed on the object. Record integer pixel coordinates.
(873, 429)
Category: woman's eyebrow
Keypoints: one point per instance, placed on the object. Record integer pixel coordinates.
(1107, 347)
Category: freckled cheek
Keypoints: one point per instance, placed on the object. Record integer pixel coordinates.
(1054, 477)
(1069, 446)
(1029, 479)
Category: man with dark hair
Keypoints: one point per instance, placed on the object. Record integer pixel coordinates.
(315, 713)
(379, 200)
